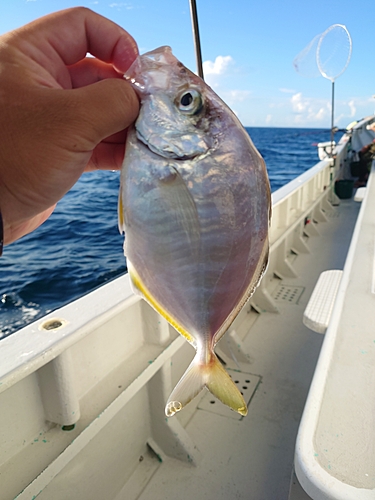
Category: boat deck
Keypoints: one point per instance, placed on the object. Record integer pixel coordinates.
(121, 447)
(252, 458)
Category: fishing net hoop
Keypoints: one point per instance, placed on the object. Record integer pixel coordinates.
(342, 32)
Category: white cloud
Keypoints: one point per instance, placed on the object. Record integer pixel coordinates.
(218, 67)
(236, 95)
(287, 91)
(309, 110)
(218, 75)
(320, 114)
(234, 99)
(339, 118)
(276, 105)
(318, 111)
(299, 104)
(353, 109)
(121, 5)
(357, 106)
(268, 119)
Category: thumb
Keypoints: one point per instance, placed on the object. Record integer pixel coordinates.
(103, 109)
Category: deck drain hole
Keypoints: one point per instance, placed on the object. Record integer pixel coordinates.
(246, 383)
(53, 324)
(68, 427)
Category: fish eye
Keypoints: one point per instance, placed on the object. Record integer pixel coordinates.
(190, 102)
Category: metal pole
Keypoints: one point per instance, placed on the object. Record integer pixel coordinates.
(334, 199)
(332, 116)
(197, 42)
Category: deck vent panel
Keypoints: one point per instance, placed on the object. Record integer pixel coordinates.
(289, 294)
(332, 214)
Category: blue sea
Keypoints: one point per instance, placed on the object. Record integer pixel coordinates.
(79, 247)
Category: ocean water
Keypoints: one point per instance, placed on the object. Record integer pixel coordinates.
(79, 247)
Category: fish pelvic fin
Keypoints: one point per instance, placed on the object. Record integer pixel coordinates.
(212, 376)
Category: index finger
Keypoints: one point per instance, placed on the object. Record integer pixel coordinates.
(71, 33)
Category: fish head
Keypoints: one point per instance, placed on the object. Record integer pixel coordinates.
(177, 118)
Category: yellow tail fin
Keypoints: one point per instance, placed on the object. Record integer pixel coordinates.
(215, 378)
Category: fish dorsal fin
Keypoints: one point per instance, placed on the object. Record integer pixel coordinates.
(259, 272)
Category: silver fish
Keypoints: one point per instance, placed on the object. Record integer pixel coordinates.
(195, 206)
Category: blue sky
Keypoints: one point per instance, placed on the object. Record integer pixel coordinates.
(248, 47)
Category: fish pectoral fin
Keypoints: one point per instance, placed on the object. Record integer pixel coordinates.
(181, 203)
(215, 378)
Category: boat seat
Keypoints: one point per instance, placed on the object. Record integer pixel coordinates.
(360, 194)
(319, 308)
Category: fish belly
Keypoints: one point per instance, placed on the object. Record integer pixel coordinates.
(193, 237)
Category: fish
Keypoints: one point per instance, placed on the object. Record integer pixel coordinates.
(195, 207)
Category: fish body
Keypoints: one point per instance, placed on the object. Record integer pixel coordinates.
(195, 206)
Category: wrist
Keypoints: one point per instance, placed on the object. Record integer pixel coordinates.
(11, 226)
(5, 224)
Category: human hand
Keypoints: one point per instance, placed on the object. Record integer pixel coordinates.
(62, 113)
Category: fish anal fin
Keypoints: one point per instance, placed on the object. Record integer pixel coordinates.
(140, 289)
(215, 378)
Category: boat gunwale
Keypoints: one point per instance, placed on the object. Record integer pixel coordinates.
(313, 477)
(30, 348)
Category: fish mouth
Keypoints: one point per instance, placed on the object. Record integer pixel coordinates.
(167, 149)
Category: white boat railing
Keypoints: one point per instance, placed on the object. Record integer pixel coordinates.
(335, 450)
(297, 209)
